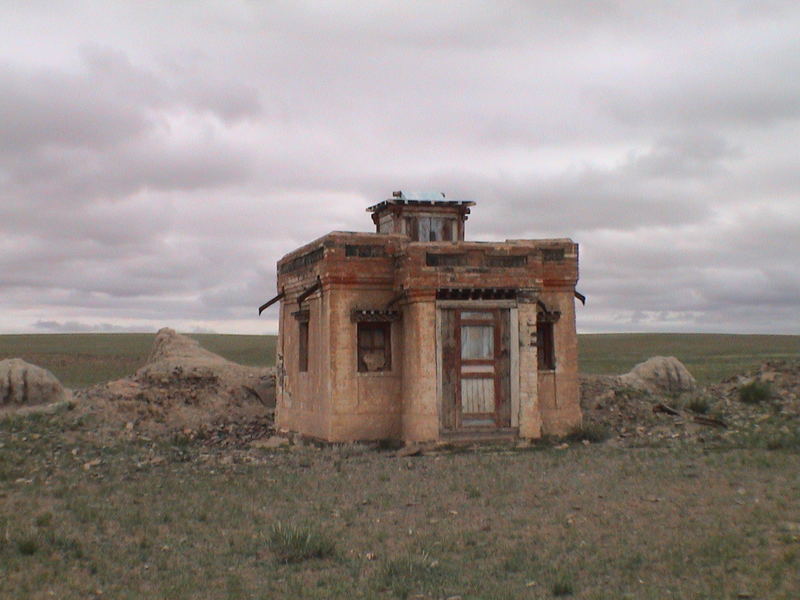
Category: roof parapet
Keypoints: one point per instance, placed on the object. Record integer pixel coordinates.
(400, 198)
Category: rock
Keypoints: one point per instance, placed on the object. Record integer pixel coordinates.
(790, 527)
(92, 463)
(270, 443)
(409, 450)
(664, 374)
(46, 409)
(24, 384)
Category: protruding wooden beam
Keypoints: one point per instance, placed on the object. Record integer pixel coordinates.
(269, 303)
(309, 291)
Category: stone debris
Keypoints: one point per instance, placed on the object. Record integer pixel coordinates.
(651, 413)
(269, 443)
(24, 384)
(409, 450)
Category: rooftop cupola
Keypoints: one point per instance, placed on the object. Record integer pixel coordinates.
(422, 216)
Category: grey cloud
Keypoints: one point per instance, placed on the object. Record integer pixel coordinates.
(116, 128)
(163, 180)
(79, 327)
(694, 154)
(55, 108)
(715, 80)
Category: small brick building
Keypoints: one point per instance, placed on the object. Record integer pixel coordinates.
(412, 333)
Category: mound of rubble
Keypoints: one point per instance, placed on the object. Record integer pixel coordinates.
(659, 400)
(182, 387)
(783, 379)
(24, 384)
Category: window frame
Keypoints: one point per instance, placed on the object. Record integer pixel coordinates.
(545, 345)
(421, 228)
(386, 327)
(302, 345)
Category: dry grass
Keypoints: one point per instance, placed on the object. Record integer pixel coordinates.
(149, 519)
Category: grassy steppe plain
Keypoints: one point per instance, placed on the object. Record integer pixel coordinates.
(84, 359)
(137, 519)
(131, 517)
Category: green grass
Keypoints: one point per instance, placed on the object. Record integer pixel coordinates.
(292, 543)
(412, 573)
(755, 392)
(590, 432)
(175, 519)
(83, 359)
(590, 523)
(709, 357)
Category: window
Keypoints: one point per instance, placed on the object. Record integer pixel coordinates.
(445, 260)
(553, 254)
(432, 229)
(477, 341)
(302, 346)
(364, 250)
(435, 230)
(545, 342)
(504, 262)
(374, 347)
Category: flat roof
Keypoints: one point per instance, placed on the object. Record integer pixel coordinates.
(409, 202)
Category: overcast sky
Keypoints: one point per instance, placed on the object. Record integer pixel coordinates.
(158, 158)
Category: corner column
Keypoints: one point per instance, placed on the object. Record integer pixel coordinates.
(420, 406)
(530, 418)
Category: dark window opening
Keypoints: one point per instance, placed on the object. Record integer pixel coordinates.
(364, 250)
(445, 260)
(302, 345)
(302, 261)
(545, 343)
(374, 347)
(476, 294)
(519, 260)
(553, 254)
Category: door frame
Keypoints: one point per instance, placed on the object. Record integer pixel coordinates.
(513, 326)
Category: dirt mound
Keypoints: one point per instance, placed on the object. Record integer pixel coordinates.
(183, 387)
(24, 384)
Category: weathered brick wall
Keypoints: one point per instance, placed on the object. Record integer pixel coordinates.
(364, 405)
(559, 390)
(366, 270)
